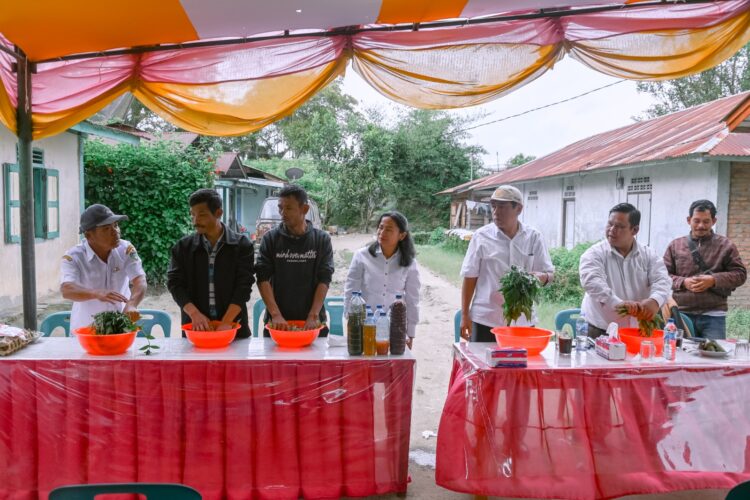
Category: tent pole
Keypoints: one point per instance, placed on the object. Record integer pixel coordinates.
(26, 185)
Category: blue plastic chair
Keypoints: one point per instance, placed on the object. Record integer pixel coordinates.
(566, 317)
(56, 320)
(457, 326)
(259, 308)
(156, 491)
(739, 492)
(151, 318)
(335, 309)
(689, 325)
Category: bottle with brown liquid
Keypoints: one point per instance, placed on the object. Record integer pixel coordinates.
(398, 325)
(355, 324)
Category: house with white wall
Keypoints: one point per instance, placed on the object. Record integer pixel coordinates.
(660, 166)
(58, 201)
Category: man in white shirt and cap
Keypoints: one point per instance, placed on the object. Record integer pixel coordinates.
(493, 249)
(618, 272)
(103, 272)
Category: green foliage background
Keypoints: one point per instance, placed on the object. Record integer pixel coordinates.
(150, 184)
(566, 288)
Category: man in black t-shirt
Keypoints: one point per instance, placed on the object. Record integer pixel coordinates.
(294, 266)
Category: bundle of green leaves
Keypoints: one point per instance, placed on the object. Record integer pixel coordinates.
(112, 322)
(646, 327)
(520, 290)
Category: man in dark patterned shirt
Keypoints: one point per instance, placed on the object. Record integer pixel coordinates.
(211, 271)
(705, 268)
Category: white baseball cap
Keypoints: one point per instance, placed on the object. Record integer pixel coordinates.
(507, 192)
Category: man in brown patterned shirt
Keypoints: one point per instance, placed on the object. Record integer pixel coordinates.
(705, 268)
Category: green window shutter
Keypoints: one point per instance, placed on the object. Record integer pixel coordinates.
(40, 202)
(53, 204)
(12, 185)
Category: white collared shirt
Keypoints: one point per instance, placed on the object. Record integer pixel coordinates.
(81, 265)
(489, 257)
(380, 279)
(609, 279)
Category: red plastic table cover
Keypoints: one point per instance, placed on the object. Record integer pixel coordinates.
(597, 430)
(244, 422)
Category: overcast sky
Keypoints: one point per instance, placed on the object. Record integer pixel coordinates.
(540, 132)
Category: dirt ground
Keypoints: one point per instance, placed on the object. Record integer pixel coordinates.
(432, 348)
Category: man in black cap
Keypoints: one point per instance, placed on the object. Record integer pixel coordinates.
(103, 272)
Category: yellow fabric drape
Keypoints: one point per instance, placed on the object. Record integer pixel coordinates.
(454, 76)
(460, 71)
(662, 55)
(7, 110)
(235, 108)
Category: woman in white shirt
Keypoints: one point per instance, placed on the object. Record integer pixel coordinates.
(386, 267)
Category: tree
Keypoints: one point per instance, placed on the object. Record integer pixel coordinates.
(430, 155)
(364, 182)
(518, 160)
(728, 78)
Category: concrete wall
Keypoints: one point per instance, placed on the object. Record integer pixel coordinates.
(61, 153)
(674, 186)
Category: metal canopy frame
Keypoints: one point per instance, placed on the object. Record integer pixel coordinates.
(25, 68)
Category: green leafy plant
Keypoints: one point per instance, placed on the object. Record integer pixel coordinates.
(646, 327)
(115, 322)
(520, 290)
(112, 323)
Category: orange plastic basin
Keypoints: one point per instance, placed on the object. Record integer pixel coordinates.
(292, 338)
(632, 340)
(213, 339)
(533, 339)
(102, 345)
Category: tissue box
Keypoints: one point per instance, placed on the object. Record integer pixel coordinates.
(506, 357)
(609, 348)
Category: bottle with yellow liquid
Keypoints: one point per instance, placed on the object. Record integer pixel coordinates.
(368, 334)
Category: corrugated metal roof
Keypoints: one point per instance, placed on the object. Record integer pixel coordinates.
(224, 162)
(701, 130)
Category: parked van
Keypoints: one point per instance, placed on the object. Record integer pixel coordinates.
(270, 217)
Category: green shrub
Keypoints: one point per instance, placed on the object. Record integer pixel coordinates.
(420, 237)
(151, 185)
(566, 288)
(455, 244)
(437, 236)
(738, 323)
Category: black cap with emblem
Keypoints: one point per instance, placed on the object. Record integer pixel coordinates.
(98, 215)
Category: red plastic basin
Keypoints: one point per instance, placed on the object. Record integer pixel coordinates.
(212, 339)
(532, 338)
(104, 345)
(632, 339)
(294, 338)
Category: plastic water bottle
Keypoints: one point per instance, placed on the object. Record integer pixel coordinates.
(670, 340)
(355, 323)
(582, 333)
(382, 331)
(368, 334)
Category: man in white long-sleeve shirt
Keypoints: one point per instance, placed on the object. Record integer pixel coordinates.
(493, 249)
(619, 271)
